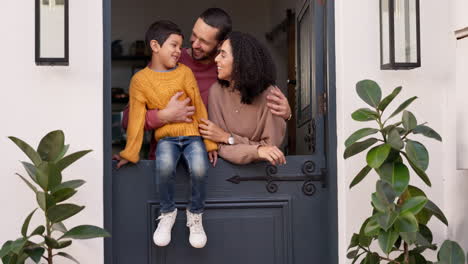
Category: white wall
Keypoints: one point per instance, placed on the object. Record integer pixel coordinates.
(38, 99)
(358, 57)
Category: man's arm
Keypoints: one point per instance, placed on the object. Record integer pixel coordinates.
(278, 104)
(176, 111)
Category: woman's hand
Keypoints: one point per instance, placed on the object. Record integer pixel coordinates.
(121, 160)
(271, 153)
(211, 131)
(278, 104)
(213, 156)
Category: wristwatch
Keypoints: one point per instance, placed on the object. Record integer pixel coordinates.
(231, 140)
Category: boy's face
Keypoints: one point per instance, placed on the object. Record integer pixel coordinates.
(169, 53)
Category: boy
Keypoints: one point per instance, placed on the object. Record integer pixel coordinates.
(152, 88)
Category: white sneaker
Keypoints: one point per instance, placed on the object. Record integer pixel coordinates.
(162, 235)
(197, 234)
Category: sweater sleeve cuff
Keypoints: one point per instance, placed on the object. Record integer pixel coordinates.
(128, 156)
(152, 120)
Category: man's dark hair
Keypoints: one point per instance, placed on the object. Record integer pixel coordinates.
(160, 31)
(253, 69)
(218, 18)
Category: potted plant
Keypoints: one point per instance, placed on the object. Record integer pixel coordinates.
(400, 211)
(51, 193)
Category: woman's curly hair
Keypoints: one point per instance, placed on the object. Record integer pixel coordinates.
(253, 69)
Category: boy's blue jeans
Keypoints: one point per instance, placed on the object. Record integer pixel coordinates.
(168, 153)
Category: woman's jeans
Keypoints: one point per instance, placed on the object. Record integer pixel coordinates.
(168, 153)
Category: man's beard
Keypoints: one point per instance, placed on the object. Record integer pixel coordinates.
(206, 57)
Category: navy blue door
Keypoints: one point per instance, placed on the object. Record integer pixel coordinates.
(254, 214)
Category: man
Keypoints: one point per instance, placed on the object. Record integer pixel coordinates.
(208, 32)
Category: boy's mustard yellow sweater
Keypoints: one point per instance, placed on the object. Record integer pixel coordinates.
(150, 90)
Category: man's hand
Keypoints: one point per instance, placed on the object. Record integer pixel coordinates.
(271, 153)
(121, 160)
(177, 111)
(278, 104)
(213, 156)
(211, 131)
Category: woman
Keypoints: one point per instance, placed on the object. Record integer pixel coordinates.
(241, 122)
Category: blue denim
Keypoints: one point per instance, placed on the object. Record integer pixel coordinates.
(168, 153)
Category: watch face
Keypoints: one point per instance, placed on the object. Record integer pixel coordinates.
(231, 140)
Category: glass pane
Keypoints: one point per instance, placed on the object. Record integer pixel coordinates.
(385, 45)
(305, 54)
(405, 31)
(52, 29)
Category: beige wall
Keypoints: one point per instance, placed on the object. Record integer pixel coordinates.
(358, 57)
(38, 99)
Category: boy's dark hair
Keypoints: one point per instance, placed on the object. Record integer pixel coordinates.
(218, 18)
(253, 69)
(160, 31)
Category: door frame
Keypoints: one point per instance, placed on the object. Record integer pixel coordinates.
(330, 126)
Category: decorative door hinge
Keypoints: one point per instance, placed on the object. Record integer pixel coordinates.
(323, 101)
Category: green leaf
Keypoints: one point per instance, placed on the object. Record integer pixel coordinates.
(409, 120)
(425, 233)
(451, 253)
(354, 241)
(385, 192)
(24, 229)
(435, 210)
(38, 231)
(60, 212)
(414, 205)
(386, 220)
(372, 228)
(85, 232)
(49, 175)
(358, 147)
(59, 227)
(65, 255)
(387, 100)
(400, 178)
(394, 139)
(51, 145)
(63, 194)
(62, 153)
(403, 106)
(360, 176)
(427, 131)
(18, 245)
(418, 154)
(31, 170)
(406, 222)
(28, 150)
(364, 240)
(50, 242)
(352, 254)
(44, 200)
(64, 244)
(6, 248)
(74, 184)
(370, 92)
(387, 240)
(377, 155)
(68, 160)
(30, 185)
(364, 114)
(418, 171)
(363, 132)
(380, 205)
(371, 258)
(35, 253)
